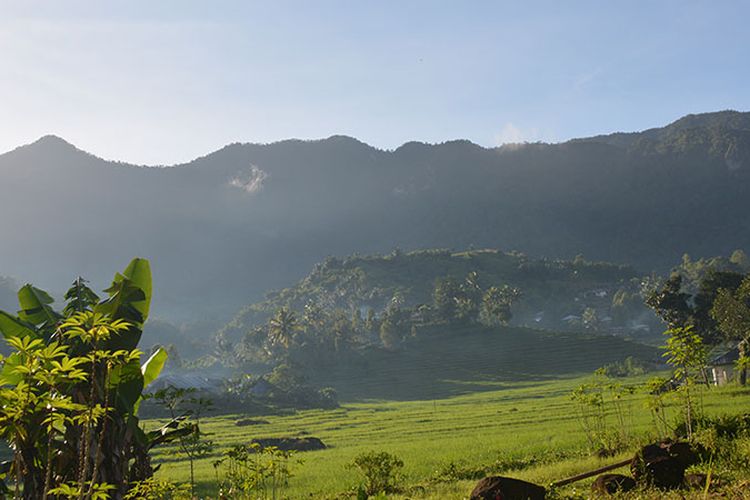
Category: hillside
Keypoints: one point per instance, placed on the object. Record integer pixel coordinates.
(552, 292)
(476, 359)
(379, 327)
(250, 217)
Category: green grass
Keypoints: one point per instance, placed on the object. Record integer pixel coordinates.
(439, 364)
(526, 429)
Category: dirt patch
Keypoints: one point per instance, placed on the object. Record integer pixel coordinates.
(291, 443)
(249, 421)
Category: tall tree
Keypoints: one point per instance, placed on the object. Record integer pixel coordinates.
(680, 309)
(496, 304)
(731, 310)
(445, 297)
(283, 327)
(670, 303)
(389, 328)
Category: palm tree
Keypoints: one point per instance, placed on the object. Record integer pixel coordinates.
(282, 327)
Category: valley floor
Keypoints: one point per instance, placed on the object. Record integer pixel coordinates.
(527, 430)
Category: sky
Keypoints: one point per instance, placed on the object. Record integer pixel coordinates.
(165, 82)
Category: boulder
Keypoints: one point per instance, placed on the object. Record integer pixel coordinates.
(609, 484)
(291, 443)
(682, 452)
(654, 466)
(506, 488)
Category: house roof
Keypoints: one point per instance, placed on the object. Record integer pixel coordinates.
(728, 358)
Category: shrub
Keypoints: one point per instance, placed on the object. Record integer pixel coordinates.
(381, 471)
(253, 471)
(723, 426)
(156, 489)
(629, 368)
(604, 412)
(71, 389)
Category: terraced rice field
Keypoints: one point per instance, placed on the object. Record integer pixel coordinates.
(525, 429)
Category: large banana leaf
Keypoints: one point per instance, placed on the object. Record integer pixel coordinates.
(122, 300)
(130, 293)
(13, 327)
(123, 294)
(127, 383)
(153, 366)
(35, 306)
(139, 273)
(169, 432)
(151, 370)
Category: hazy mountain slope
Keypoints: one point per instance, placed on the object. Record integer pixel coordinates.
(227, 226)
(550, 290)
(8, 299)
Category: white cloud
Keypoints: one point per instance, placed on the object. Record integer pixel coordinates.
(251, 181)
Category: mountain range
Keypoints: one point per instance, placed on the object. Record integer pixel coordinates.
(226, 227)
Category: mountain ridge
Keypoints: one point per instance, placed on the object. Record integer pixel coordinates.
(251, 217)
(693, 120)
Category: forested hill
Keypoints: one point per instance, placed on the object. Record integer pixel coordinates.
(552, 294)
(224, 228)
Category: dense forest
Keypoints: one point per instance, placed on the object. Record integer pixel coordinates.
(253, 217)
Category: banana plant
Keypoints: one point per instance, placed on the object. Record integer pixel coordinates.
(70, 390)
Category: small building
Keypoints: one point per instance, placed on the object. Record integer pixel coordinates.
(723, 367)
(571, 319)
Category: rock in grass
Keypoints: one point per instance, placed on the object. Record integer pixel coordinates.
(506, 488)
(249, 421)
(654, 466)
(291, 443)
(683, 452)
(609, 484)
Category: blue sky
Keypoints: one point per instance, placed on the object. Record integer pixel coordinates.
(164, 82)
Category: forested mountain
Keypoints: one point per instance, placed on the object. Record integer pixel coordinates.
(223, 228)
(552, 294)
(360, 317)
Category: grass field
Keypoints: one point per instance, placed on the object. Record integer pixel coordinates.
(525, 429)
(440, 364)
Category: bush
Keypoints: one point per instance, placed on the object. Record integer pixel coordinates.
(158, 489)
(722, 426)
(328, 398)
(253, 471)
(72, 387)
(381, 471)
(628, 368)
